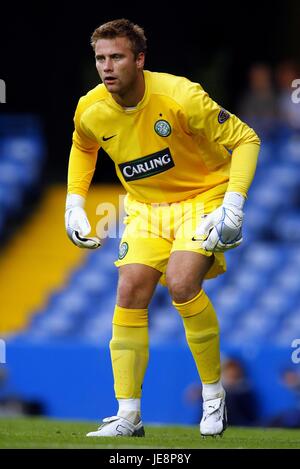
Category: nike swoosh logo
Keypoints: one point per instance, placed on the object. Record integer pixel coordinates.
(107, 138)
(202, 238)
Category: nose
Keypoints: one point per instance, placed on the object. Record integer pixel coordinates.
(108, 65)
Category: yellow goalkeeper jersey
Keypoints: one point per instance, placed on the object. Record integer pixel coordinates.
(176, 143)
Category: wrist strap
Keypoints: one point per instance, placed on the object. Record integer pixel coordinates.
(74, 200)
(234, 198)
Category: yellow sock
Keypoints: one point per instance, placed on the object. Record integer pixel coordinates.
(129, 351)
(202, 333)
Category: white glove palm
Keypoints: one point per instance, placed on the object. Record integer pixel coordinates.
(77, 224)
(222, 229)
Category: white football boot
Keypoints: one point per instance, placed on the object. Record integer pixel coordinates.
(214, 418)
(118, 426)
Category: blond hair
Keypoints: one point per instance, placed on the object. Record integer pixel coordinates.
(122, 28)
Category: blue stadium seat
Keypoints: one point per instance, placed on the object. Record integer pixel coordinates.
(22, 154)
(276, 301)
(91, 281)
(230, 300)
(289, 149)
(287, 279)
(287, 226)
(11, 197)
(27, 150)
(248, 279)
(165, 326)
(284, 337)
(264, 257)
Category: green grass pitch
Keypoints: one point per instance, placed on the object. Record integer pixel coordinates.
(47, 433)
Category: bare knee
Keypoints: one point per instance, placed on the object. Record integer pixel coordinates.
(136, 287)
(182, 289)
(130, 294)
(185, 274)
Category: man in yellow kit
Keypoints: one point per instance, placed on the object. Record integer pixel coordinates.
(189, 164)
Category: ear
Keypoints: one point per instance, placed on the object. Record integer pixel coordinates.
(140, 60)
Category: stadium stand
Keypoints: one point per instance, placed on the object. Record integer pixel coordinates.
(22, 157)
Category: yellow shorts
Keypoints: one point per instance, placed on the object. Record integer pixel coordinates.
(154, 231)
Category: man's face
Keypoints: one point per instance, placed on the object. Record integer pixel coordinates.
(116, 64)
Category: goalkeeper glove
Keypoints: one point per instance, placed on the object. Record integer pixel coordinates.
(222, 229)
(77, 224)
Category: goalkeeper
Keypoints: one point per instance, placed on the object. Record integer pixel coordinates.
(186, 164)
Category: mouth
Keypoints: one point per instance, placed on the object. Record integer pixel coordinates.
(110, 80)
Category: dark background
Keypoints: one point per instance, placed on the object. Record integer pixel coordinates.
(47, 62)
